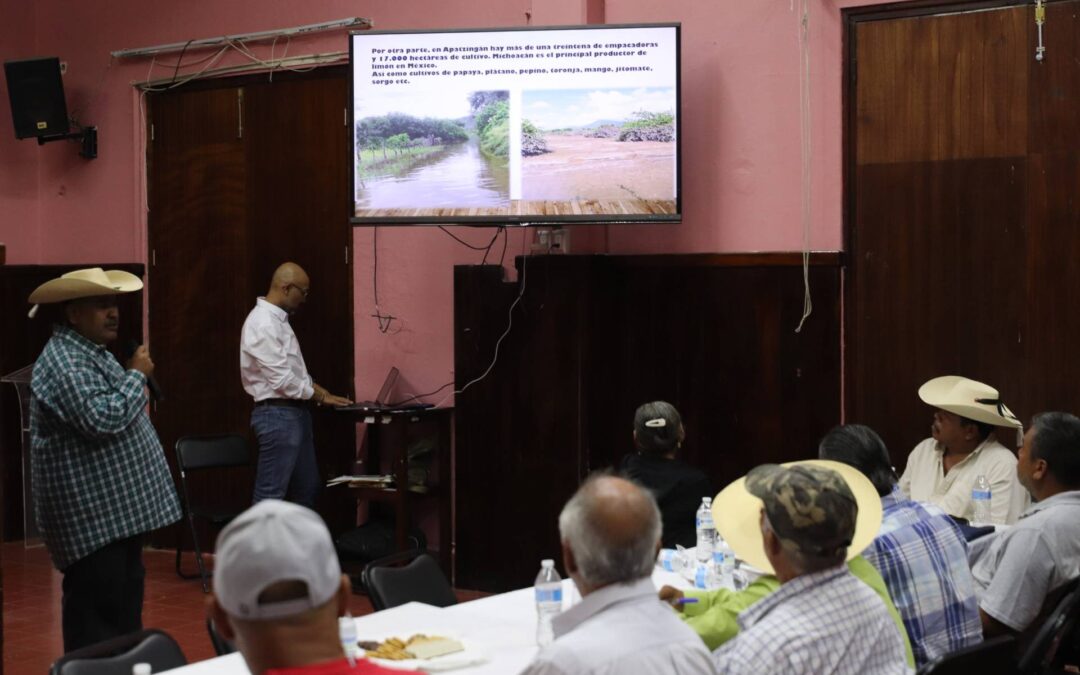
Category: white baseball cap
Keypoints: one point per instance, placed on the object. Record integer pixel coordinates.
(272, 542)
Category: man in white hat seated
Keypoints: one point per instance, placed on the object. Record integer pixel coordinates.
(1017, 569)
(919, 550)
(98, 474)
(278, 593)
(610, 533)
(943, 469)
(822, 619)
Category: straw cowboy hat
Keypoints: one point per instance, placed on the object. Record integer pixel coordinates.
(736, 514)
(970, 399)
(85, 283)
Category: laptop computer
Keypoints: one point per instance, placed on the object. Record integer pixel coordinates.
(383, 402)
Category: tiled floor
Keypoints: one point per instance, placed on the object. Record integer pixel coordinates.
(32, 637)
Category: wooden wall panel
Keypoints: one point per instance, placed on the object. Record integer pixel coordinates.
(596, 336)
(935, 287)
(943, 87)
(1054, 125)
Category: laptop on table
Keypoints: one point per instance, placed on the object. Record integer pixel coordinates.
(383, 402)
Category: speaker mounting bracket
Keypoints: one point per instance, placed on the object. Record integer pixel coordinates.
(88, 136)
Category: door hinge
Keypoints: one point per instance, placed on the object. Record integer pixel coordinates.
(239, 113)
(153, 257)
(345, 120)
(346, 255)
(151, 132)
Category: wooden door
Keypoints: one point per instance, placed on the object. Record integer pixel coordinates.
(961, 168)
(243, 176)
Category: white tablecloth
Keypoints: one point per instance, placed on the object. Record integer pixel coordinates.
(499, 631)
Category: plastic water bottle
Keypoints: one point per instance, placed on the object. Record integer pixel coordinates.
(724, 565)
(347, 632)
(980, 500)
(672, 560)
(548, 601)
(706, 531)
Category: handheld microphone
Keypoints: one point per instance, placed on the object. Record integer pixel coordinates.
(151, 383)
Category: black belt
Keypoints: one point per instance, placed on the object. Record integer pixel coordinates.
(286, 402)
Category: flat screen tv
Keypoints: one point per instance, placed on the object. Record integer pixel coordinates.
(521, 126)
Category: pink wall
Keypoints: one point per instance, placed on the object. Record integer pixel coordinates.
(740, 128)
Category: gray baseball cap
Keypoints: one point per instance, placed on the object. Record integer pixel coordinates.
(273, 542)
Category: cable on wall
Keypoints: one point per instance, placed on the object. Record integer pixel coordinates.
(805, 130)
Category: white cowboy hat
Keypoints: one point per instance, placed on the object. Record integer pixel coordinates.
(968, 398)
(85, 283)
(736, 513)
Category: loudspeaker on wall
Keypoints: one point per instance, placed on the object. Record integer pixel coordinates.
(37, 97)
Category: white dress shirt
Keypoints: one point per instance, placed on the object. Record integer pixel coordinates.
(271, 365)
(925, 480)
(622, 629)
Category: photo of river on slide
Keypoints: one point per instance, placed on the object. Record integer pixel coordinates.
(407, 165)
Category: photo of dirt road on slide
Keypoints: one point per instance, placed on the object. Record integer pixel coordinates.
(454, 164)
(600, 149)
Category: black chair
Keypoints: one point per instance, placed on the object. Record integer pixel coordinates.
(119, 655)
(420, 580)
(197, 454)
(1056, 637)
(221, 645)
(992, 657)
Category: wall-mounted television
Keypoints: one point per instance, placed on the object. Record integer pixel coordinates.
(551, 125)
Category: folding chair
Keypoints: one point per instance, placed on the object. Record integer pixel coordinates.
(119, 655)
(198, 454)
(992, 657)
(1056, 637)
(419, 581)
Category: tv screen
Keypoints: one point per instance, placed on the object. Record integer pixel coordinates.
(516, 126)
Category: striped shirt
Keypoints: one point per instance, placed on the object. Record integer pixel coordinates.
(98, 473)
(922, 556)
(824, 622)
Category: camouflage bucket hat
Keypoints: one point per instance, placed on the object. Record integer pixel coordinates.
(808, 506)
(816, 504)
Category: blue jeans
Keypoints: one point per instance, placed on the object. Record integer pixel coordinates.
(287, 468)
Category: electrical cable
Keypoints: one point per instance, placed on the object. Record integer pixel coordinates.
(179, 60)
(384, 320)
(805, 130)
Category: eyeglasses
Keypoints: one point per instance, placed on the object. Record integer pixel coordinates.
(303, 291)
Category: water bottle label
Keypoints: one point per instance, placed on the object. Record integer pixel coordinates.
(980, 494)
(718, 557)
(549, 594)
(667, 557)
(701, 576)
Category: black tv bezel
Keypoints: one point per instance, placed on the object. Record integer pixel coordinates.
(509, 220)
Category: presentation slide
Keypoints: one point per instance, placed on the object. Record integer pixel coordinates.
(532, 125)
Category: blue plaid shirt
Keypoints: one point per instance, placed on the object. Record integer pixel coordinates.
(98, 473)
(922, 556)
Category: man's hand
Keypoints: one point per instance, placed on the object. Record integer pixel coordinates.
(335, 401)
(669, 594)
(141, 362)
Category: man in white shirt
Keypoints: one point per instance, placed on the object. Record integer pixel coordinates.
(272, 370)
(942, 470)
(610, 533)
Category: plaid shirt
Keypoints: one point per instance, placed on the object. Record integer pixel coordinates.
(922, 556)
(98, 473)
(824, 622)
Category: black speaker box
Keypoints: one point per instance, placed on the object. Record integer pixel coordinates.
(37, 97)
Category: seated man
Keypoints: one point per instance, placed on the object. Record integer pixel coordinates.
(919, 551)
(610, 533)
(1016, 569)
(942, 470)
(677, 486)
(278, 593)
(822, 619)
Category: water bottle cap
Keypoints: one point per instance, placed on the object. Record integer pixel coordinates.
(707, 501)
(141, 669)
(547, 562)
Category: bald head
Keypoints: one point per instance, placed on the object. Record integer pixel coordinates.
(612, 528)
(289, 287)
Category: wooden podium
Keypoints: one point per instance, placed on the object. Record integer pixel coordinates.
(398, 443)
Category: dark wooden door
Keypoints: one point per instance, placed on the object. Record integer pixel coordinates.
(961, 175)
(244, 176)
